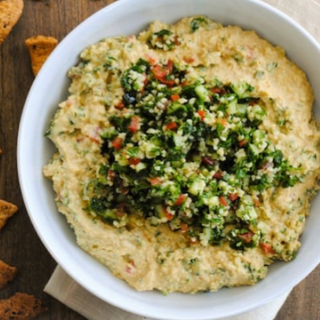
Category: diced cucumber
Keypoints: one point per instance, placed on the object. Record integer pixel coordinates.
(232, 107)
(242, 89)
(179, 141)
(254, 151)
(176, 107)
(202, 93)
(197, 187)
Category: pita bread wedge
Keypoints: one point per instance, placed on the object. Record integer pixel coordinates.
(21, 306)
(40, 47)
(7, 210)
(7, 274)
(10, 12)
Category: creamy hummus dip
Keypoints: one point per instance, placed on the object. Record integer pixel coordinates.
(187, 156)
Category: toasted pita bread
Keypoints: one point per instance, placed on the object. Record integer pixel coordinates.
(21, 306)
(7, 210)
(40, 48)
(10, 12)
(7, 274)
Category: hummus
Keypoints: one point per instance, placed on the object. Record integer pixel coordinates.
(187, 156)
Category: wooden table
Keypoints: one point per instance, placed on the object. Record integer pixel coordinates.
(19, 244)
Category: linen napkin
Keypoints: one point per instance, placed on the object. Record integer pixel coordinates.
(62, 287)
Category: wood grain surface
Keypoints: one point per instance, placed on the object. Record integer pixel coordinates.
(19, 244)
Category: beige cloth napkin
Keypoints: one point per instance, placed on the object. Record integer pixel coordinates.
(62, 287)
(66, 290)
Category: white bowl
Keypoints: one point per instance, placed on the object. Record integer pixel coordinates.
(50, 87)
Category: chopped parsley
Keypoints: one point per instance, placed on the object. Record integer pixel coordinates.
(189, 154)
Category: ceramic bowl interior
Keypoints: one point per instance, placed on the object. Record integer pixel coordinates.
(34, 151)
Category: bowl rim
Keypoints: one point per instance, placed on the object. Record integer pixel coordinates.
(24, 185)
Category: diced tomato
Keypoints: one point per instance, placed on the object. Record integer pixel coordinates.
(117, 143)
(202, 114)
(188, 59)
(267, 248)
(130, 270)
(246, 237)
(134, 161)
(134, 124)
(256, 202)
(175, 97)
(120, 106)
(146, 81)
(150, 59)
(181, 199)
(159, 71)
(243, 143)
(223, 201)
(222, 121)
(233, 196)
(169, 216)
(167, 82)
(208, 161)
(218, 175)
(125, 190)
(172, 126)
(121, 209)
(185, 83)
(218, 91)
(111, 174)
(184, 227)
(155, 181)
(176, 41)
(170, 66)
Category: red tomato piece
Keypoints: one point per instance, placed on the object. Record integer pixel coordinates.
(172, 126)
(170, 66)
(169, 83)
(223, 201)
(150, 59)
(134, 124)
(120, 106)
(117, 143)
(246, 237)
(184, 227)
(222, 121)
(208, 161)
(155, 181)
(218, 91)
(159, 71)
(256, 202)
(175, 97)
(188, 59)
(146, 81)
(181, 199)
(185, 83)
(243, 143)
(202, 114)
(218, 175)
(111, 174)
(267, 248)
(233, 196)
(169, 216)
(134, 161)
